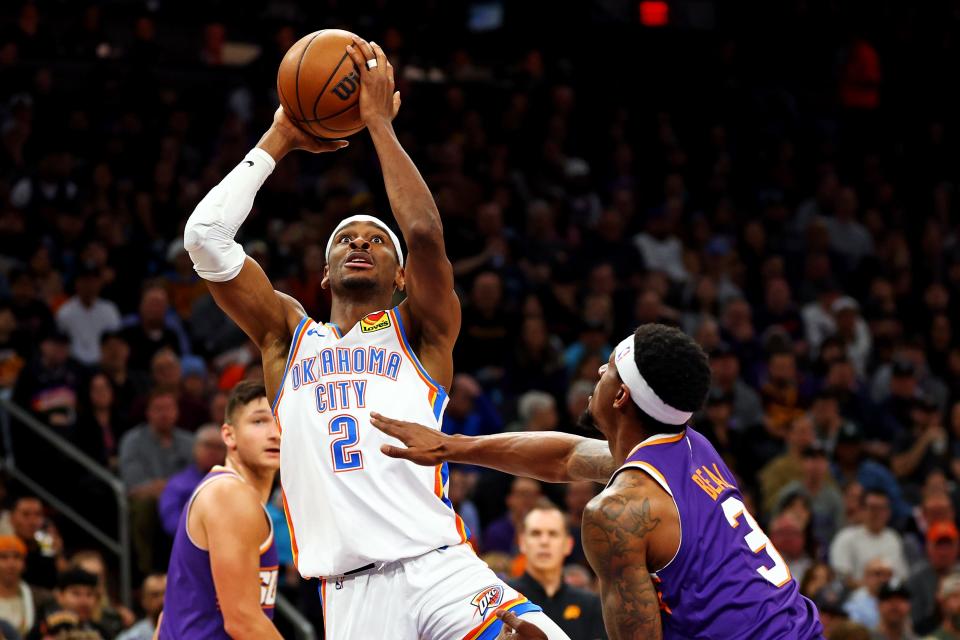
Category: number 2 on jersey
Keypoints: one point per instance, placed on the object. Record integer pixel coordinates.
(757, 540)
(345, 458)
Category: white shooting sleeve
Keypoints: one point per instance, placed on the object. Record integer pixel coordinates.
(211, 228)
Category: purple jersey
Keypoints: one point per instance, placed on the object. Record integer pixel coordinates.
(190, 607)
(727, 580)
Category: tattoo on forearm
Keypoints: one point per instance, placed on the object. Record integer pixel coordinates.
(613, 537)
(591, 460)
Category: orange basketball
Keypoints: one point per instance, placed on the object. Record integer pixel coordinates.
(319, 85)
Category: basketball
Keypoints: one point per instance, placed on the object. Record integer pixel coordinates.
(319, 85)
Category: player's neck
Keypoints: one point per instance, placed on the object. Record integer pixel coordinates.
(346, 312)
(261, 481)
(625, 440)
(550, 579)
(10, 590)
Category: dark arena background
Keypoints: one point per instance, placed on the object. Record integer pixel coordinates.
(779, 180)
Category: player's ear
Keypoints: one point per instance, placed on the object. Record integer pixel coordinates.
(400, 280)
(325, 283)
(228, 433)
(622, 398)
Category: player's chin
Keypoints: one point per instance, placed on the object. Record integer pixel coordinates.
(270, 459)
(357, 280)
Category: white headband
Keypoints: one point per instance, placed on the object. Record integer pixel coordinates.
(640, 391)
(360, 217)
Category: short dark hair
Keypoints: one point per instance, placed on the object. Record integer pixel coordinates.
(76, 577)
(875, 491)
(243, 394)
(675, 367)
(543, 504)
(160, 392)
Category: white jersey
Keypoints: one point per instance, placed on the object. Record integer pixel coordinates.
(347, 504)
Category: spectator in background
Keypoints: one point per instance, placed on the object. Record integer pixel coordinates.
(863, 606)
(545, 543)
(469, 411)
(537, 359)
(817, 316)
(855, 545)
(787, 536)
(99, 423)
(49, 386)
(537, 411)
(33, 316)
(894, 607)
(779, 310)
(852, 465)
(149, 455)
(826, 503)
(948, 601)
(487, 329)
(76, 596)
(592, 342)
(788, 466)
(827, 420)
(147, 332)
(86, 316)
(921, 449)
(578, 396)
(853, 332)
(40, 537)
(943, 545)
(167, 375)
(21, 604)
(747, 407)
(129, 385)
(151, 600)
(110, 618)
(208, 450)
(783, 398)
(500, 535)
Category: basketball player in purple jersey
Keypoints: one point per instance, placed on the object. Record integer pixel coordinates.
(222, 580)
(677, 553)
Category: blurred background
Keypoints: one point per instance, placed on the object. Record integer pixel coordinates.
(777, 179)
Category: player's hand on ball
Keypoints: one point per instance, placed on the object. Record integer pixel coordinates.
(516, 629)
(424, 446)
(295, 138)
(378, 100)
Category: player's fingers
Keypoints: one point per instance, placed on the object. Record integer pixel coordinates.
(365, 49)
(524, 628)
(396, 102)
(358, 60)
(382, 61)
(395, 452)
(388, 425)
(331, 145)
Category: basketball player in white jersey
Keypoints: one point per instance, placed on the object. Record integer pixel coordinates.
(381, 534)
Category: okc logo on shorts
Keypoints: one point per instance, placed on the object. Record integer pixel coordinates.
(488, 598)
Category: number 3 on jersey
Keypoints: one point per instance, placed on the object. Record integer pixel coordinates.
(757, 540)
(345, 457)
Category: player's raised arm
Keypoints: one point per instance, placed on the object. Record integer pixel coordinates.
(232, 531)
(547, 455)
(615, 528)
(434, 309)
(237, 282)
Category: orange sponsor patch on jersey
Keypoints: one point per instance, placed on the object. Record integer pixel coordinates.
(572, 612)
(375, 322)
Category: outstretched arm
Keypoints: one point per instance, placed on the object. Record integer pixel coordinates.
(433, 307)
(615, 529)
(545, 455)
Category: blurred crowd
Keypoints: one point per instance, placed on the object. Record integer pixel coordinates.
(785, 195)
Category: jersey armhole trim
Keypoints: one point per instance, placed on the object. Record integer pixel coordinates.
(654, 473)
(226, 473)
(437, 395)
(298, 334)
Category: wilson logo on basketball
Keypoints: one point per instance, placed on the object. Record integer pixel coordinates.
(346, 87)
(487, 599)
(375, 322)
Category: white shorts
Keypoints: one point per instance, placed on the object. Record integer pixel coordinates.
(447, 594)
